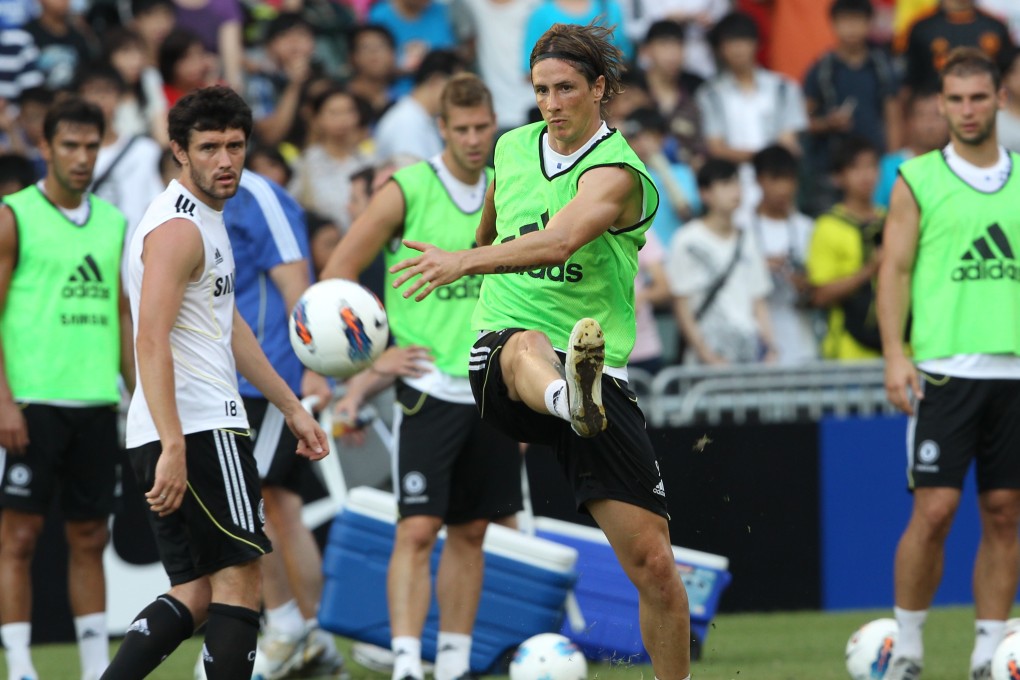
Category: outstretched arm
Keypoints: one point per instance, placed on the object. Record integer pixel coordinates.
(367, 235)
(605, 196)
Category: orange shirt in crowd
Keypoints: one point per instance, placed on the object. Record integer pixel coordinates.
(801, 33)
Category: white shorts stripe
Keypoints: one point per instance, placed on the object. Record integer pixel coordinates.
(268, 439)
(227, 485)
(911, 433)
(242, 487)
(398, 418)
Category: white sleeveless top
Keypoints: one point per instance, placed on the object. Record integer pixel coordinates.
(205, 377)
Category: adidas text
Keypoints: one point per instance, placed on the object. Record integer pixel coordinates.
(469, 287)
(987, 270)
(86, 290)
(572, 273)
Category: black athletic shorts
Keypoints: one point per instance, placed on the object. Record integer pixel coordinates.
(72, 454)
(275, 447)
(450, 464)
(618, 464)
(960, 420)
(220, 521)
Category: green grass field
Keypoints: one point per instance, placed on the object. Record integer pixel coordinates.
(784, 646)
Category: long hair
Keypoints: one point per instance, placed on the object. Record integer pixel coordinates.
(588, 49)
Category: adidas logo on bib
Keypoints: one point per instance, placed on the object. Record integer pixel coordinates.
(86, 281)
(990, 258)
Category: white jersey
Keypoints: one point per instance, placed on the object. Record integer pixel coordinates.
(205, 377)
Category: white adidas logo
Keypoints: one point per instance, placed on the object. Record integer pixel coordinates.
(140, 626)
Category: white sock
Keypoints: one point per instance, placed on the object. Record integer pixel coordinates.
(987, 635)
(453, 655)
(407, 657)
(908, 641)
(17, 637)
(286, 619)
(93, 644)
(556, 399)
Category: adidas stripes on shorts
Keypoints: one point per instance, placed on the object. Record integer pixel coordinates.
(220, 521)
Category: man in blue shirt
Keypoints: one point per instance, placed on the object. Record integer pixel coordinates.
(269, 236)
(419, 27)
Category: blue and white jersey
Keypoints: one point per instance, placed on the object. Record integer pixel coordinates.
(267, 228)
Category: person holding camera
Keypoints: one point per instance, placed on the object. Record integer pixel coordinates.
(783, 234)
(845, 253)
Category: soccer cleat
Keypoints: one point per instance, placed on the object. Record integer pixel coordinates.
(326, 662)
(586, 352)
(378, 659)
(902, 668)
(283, 654)
(982, 672)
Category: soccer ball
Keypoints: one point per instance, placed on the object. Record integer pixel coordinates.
(1006, 660)
(338, 328)
(259, 672)
(548, 656)
(869, 649)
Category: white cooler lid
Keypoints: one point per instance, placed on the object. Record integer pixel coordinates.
(499, 540)
(581, 532)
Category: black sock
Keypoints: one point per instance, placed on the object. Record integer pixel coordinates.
(231, 635)
(155, 633)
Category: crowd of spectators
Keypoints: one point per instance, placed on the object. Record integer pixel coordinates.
(773, 129)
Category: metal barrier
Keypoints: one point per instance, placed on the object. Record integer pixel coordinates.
(681, 395)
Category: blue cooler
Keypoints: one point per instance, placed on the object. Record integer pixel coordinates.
(523, 593)
(609, 601)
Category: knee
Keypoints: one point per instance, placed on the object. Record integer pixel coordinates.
(530, 343)
(654, 573)
(418, 533)
(1000, 520)
(87, 537)
(196, 596)
(469, 535)
(934, 519)
(283, 513)
(19, 540)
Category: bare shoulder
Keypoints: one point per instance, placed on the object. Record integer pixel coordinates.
(617, 181)
(8, 231)
(177, 241)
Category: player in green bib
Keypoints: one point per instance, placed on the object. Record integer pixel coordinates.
(950, 257)
(451, 467)
(557, 245)
(61, 336)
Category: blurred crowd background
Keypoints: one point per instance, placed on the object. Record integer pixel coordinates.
(773, 129)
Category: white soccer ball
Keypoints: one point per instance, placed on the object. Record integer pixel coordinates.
(869, 649)
(259, 672)
(1006, 660)
(549, 656)
(338, 328)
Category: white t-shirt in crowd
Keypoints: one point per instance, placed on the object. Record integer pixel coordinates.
(697, 258)
(498, 31)
(791, 325)
(407, 128)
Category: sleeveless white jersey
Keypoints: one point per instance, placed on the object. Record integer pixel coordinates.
(205, 377)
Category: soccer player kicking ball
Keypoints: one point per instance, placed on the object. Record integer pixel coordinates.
(187, 431)
(560, 232)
